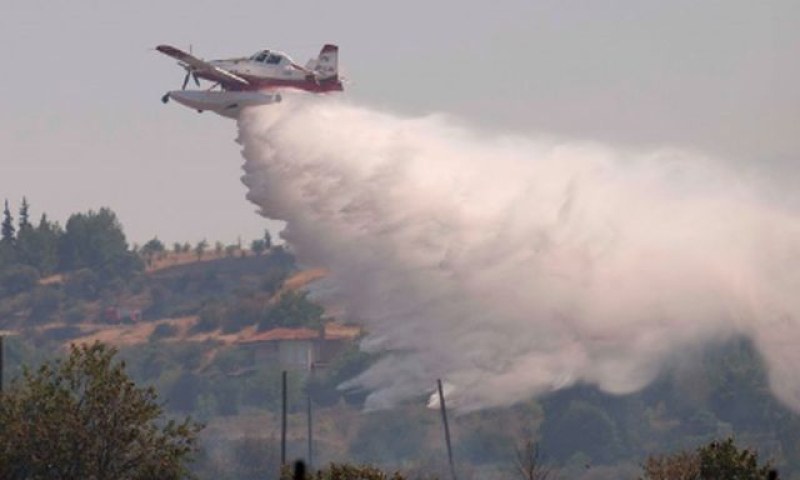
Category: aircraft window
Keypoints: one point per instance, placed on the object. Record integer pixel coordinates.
(261, 57)
(274, 59)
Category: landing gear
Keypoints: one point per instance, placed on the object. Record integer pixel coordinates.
(165, 98)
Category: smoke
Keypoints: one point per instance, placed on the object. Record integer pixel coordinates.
(512, 266)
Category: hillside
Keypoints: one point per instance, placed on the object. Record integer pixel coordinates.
(212, 329)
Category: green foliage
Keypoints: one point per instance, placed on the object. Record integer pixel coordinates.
(723, 460)
(292, 310)
(717, 460)
(258, 246)
(209, 318)
(24, 219)
(83, 417)
(38, 247)
(163, 330)
(245, 312)
(346, 471)
(152, 246)
(200, 249)
(7, 229)
(45, 302)
(95, 240)
(84, 284)
(17, 279)
(678, 466)
(263, 389)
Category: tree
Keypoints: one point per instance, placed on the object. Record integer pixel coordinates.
(24, 222)
(723, 460)
(25, 236)
(267, 240)
(153, 248)
(83, 417)
(44, 246)
(18, 278)
(678, 466)
(337, 471)
(292, 310)
(528, 462)
(95, 240)
(258, 246)
(200, 248)
(8, 229)
(718, 460)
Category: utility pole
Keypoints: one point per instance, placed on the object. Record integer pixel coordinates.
(310, 459)
(1, 363)
(443, 408)
(283, 418)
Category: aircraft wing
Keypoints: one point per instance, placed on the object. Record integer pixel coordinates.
(203, 68)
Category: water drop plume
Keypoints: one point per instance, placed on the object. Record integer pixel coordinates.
(514, 266)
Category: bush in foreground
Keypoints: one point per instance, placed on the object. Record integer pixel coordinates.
(83, 417)
(718, 460)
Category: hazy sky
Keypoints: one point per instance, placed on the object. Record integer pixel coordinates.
(81, 124)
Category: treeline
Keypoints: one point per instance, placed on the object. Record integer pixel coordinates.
(92, 241)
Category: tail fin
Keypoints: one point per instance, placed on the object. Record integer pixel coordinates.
(327, 64)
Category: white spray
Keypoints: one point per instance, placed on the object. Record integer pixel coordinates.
(513, 267)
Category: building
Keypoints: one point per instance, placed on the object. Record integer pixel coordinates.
(300, 348)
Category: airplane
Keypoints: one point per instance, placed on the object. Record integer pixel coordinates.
(253, 80)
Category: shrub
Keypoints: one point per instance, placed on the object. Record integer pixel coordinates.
(163, 330)
(18, 279)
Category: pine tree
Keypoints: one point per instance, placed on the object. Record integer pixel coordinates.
(8, 229)
(24, 222)
(47, 239)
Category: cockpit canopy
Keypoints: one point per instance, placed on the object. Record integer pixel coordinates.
(269, 58)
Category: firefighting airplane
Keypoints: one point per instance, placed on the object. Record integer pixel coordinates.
(250, 81)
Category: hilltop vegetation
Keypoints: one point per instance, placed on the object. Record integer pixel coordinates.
(178, 314)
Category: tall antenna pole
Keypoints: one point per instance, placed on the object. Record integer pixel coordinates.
(283, 418)
(446, 429)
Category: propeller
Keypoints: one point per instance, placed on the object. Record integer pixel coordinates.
(190, 73)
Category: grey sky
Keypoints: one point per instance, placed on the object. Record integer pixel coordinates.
(81, 125)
